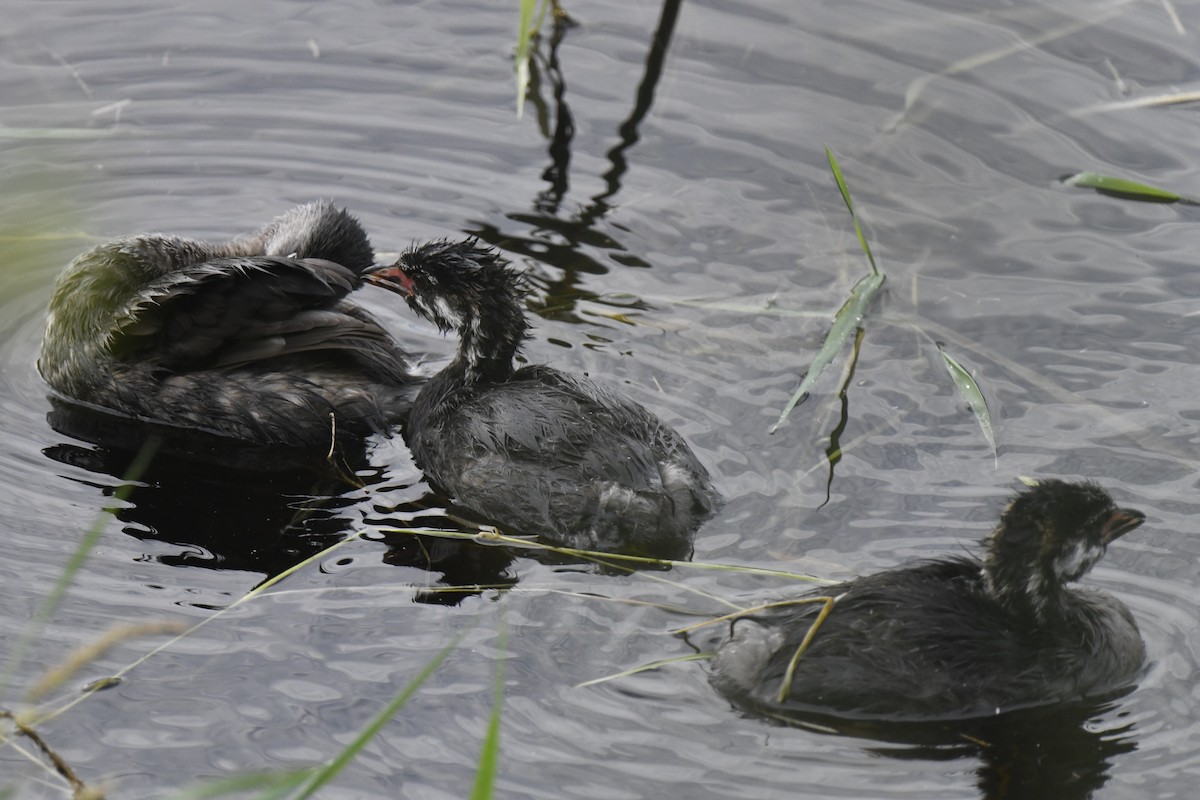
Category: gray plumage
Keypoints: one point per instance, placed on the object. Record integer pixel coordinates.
(955, 638)
(252, 339)
(534, 450)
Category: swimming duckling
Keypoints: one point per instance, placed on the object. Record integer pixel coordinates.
(956, 637)
(535, 450)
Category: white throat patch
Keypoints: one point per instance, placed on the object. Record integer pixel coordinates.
(1078, 560)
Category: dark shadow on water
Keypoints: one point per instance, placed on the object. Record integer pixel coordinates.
(226, 505)
(1060, 752)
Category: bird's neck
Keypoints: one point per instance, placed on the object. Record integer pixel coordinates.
(488, 343)
(1023, 588)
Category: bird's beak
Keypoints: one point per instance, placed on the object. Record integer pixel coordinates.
(1120, 522)
(390, 277)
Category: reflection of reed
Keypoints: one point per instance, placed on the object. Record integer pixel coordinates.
(643, 101)
(563, 248)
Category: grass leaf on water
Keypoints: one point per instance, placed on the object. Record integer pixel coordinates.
(970, 391)
(645, 668)
(845, 323)
(1126, 189)
(850, 316)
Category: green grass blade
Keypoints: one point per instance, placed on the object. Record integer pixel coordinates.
(850, 316)
(46, 609)
(969, 389)
(841, 182)
(489, 755)
(847, 320)
(1120, 187)
(525, 31)
(333, 768)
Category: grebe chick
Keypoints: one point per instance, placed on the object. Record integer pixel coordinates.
(251, 339)
(955, 638)
(534, 450)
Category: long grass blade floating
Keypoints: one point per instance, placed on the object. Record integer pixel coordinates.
(845, 323)
(850, 316)
(646, 668)
(1126, 189)
(970, 391)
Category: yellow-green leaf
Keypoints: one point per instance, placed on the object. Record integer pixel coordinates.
(1120, 187)
(970, 391)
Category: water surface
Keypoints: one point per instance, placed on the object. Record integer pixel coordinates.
(667, 193)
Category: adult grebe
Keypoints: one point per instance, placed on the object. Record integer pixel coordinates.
(251, 339)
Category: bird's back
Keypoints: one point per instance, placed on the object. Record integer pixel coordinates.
(927, 642)
(549, 454)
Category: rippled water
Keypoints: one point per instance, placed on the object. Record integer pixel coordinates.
(675, 211)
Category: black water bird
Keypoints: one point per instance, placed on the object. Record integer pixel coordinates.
(251, 340)
(954, 638)
(534, 450)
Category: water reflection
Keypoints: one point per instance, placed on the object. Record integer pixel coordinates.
(225, 504)
(552, 238)
(1059, 753)
(228, 505)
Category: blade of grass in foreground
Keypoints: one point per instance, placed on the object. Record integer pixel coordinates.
(849, 317)
(971, 392)
(330, 771)
(34, 628)
(1129, 190)
(489, 755)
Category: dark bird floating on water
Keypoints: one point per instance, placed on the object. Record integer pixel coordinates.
(252, 340)
(534, 450)
(954, 638)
